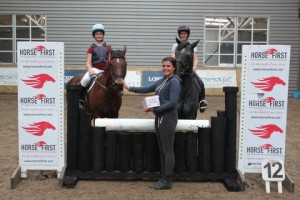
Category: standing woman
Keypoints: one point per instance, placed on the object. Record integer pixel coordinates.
(184, 34)
(168, 89)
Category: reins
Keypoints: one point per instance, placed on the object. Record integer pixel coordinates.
(185, 73)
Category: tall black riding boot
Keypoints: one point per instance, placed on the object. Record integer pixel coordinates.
(202, 103)
(82, 102)
(163, 184)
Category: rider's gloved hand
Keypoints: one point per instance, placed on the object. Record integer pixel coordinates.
(91, 72)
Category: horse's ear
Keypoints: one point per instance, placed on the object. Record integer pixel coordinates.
(177, 40)
(195, 44)
(111, 51)
(124, 50)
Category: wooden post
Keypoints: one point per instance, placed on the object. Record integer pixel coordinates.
(73, 93)
(230, 130)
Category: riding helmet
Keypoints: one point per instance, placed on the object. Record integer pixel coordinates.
(184, 28)
(98, 27)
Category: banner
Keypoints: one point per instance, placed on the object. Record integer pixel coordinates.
(264, 98)
(41, 105)
(150, 77)
(133, 78)
(8, 76)
(218, 78)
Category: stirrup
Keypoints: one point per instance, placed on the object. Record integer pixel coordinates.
(203, 105)
(81, 104)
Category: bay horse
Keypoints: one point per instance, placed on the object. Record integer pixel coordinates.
(104, 97)
(190, 88)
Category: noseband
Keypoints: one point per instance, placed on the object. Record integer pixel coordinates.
(113, 76)
(186, 66)
(116, 76)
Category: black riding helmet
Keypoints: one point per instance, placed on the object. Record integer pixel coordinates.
(183, 28)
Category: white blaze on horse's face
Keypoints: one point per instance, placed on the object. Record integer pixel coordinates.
(118, 61)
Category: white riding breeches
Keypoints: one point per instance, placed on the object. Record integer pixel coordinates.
(87, 78)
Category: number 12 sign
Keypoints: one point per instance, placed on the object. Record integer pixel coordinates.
(273, 170)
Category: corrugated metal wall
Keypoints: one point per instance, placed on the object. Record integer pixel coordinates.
(148, 28)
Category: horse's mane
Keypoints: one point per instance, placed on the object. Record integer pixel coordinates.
(118, 54)
(182, 45)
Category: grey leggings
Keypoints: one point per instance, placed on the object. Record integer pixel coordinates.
(165, 133)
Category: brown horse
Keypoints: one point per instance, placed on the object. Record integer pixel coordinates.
(105, 97)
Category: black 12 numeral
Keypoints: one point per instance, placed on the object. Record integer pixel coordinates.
(275, 175)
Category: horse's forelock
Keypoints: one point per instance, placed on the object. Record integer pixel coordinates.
(182, 45)
(118, 54)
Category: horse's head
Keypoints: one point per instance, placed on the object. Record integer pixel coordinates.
(118, 66)
(184, 56)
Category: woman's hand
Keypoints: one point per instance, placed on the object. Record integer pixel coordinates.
(149, 110)
(157, 110)
(125, 85)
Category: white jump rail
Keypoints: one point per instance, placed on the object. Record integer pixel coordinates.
(147, 125)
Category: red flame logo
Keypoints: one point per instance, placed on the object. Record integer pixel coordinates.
(38, 128)
(267, 84)
(39, 96)
(269, 99)
(271, 51)
(266, 146)
(37, 81)
(39, 48)
(265, 131)
(40, 143)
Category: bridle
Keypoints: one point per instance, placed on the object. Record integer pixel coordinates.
(113, 76)
(186, 65)
(116, 76)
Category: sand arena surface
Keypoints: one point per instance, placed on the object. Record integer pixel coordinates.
(98, 189)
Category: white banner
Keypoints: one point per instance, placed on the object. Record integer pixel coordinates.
(133, 78)
(8, 76)
(218, 78)
(41, 105)
(264, 98)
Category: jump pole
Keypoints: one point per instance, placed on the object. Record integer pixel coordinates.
(147, 125)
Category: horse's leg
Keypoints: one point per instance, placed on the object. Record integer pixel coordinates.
(179, 109)
(189, 111)
(190, 100)
(97, 102)
(116, 105)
